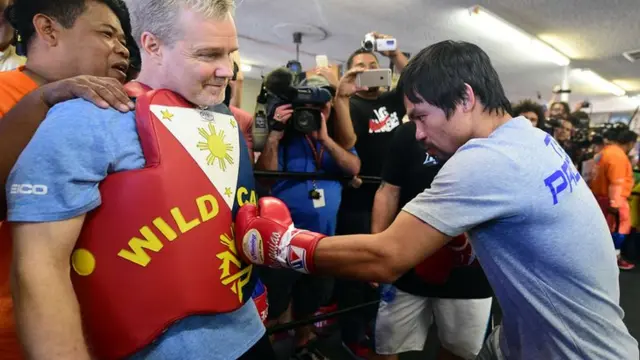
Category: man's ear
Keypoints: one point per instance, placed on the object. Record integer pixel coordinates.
(469, 101)
(47, 29)
(151, 45)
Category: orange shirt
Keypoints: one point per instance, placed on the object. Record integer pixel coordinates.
(612, 165)
(14, 85)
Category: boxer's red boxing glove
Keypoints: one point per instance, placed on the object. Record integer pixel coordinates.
(463, 254)
(265, 235)
(436, 268)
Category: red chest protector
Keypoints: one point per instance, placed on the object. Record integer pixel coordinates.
(160, 247)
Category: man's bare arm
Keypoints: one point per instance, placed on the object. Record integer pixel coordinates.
(21, 122)
(380, 257)
(347, 161)
(268, 159)
(46, 308)
(399, 60)
(345, 135)
(385, 207)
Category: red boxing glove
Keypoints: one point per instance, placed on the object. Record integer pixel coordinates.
(463, 254)
(436, 268)
(265, 235)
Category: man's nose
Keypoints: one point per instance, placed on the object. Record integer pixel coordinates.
(122, 50)
(419, 134)
(225, 70)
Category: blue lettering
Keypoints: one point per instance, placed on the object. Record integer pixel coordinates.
(555, 190)
(556, 147)
(568, 174)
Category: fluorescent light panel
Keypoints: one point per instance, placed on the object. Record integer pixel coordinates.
(245, 67)
(507, 32)
(600, 82)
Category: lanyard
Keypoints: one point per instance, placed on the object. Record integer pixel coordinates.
(317, 157)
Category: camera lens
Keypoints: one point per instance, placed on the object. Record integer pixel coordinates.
(306, 120)
(368, 45)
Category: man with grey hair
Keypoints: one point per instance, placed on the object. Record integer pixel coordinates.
(134, 250)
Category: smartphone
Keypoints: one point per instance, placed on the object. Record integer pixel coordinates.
(322, 61)
(374, 78)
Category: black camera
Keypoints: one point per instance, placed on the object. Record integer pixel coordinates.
(306, 100)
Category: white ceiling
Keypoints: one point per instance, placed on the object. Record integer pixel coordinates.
(594, 33)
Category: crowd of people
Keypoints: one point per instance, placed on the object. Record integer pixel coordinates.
(134, 226)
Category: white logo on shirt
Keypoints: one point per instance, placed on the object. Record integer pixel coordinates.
(29, 189)
(384, 122)
(430, 160)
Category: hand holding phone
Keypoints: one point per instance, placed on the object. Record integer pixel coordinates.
(374, 78)
(322, 61)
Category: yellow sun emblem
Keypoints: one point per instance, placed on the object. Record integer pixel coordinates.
(216, 146)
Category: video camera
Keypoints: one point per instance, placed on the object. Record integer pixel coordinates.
(370, 43)
(307, 101)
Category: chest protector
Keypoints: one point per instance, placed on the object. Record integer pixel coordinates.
(160, 247)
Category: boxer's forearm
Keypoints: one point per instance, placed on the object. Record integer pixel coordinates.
(357, 257)
(380, 257)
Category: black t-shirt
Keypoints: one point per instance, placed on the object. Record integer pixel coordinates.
(374, 122)
(412, 169)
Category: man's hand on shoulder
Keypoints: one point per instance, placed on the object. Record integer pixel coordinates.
(101, 91)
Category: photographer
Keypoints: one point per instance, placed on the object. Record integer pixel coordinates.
(376, 113)
(313, 203)
(531, 110)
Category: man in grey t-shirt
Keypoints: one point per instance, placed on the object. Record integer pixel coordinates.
(535, 227)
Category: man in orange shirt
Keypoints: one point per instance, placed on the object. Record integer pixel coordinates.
(51, 33)
(612, 186)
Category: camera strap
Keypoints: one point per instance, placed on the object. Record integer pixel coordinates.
(314, 194)
(317, 156)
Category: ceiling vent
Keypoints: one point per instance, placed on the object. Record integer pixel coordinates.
(632, 55)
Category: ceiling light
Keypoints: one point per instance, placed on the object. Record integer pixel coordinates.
(599, 82)
(506, 32)
(245, 67)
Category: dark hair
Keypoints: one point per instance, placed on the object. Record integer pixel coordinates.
(359, 52)
(21, 13)
(565, 107)
(438, 75)
(626, 137)
(597, 140)
(529, 106)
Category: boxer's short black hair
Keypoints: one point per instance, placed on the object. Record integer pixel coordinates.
(438, 75)
(21, 13)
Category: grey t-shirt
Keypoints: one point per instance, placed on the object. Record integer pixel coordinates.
(541, 239)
